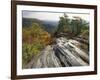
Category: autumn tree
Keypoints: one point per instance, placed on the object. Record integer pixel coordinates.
(34, 40)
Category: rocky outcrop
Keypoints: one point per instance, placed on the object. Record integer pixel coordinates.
(64, 53)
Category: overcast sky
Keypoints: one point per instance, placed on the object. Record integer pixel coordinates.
(52, 16)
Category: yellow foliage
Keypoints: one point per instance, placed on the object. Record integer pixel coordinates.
(36, 33)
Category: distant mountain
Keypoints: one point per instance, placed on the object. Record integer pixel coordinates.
(47, 22)
(49, 26)
(27, 22)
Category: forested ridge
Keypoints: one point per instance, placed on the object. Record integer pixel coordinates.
(55, 44)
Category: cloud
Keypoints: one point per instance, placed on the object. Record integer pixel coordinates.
(52, 16)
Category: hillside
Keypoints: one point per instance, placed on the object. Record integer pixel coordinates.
(49, 26)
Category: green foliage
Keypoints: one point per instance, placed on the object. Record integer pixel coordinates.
(72, 27)
(63, 25)
(85, 34)
(29, 51)
(75, 26)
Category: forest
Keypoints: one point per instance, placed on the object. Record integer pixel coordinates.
(42, 39)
